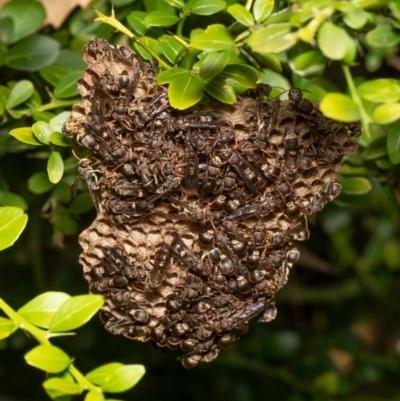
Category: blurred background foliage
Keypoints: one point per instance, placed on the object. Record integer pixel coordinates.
(337, 334)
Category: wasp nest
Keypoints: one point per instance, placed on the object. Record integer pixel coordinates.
(197, 210)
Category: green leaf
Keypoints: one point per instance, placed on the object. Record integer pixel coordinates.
(241, 74)
(262, 9)
(135, 20)
(386, 113)
(332, 41)
(81, 204)
(48, 358)
(355, 185)
(170, 47)
(380, 90)
(70, 59)
(57, 122)
(59, 139)
(383, 36)
(160, 18)
(213, 63)
(55, 167)
(176, 3)
(42, 131)
(115, 377)
(205, 7)
(221, 91)
(326, 383)
(274, 38)
(67, 86)
(375, 149)
(66, 224)
(33, 53)
(7, 327)
(21, 92)
(12, 223)
(152, 44)
(95, 396)
(53, 73)
(75, 312)
(167, 76)
(20, 18)
(41, 309)
(185, 91)
(241, 14)
(11, 199)
(339, 107)
(39, 183)
(25, 135)
(393, 143)
(354, 17)
(62, 386)
(216, 38)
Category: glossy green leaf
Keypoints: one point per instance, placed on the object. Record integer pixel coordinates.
(21, 92)
(62, 386)
(380, 90)
(386, 113)
(176, 3)
(355, 17)
(213, 64)
(41, 309)
(170, 47)
(220, 90)
(269, 60)
(205, 7)
(241, 74)
(94, 396)
(241, 14)
(393, 143)
(75, 312)
(383, 36)
(12, 223)
(42, 131)
(59, 139)
(115, 377)
(33, 53)
(55, 167)
(10, 199)
(152, 44)
(39, 183)
(375, 149)
(185, 91)
(355, 185)
(81, 204)
(262, 9)
(57, 122)
(216, 38)
(351, 49)
(167, 76)
(136, 21)
(20, 18)
(273, 38)
(7, 327)
(160, 18)
(53, 73)
(332, 41)
(67, 86)
(48, 358)
(339, 107)
(45, 116)
(25, 135)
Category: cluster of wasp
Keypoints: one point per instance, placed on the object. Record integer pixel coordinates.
(198, 210)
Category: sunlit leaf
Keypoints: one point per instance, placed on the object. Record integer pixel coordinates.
(380, 90)
(48, 358)
(55, 167)
(241, 14)
(216, 38)
(167, 76)
(262, 9)
(41, 309)
(7, 327)
(25, 135)
(383, 36)
(21, 92)
(59, 139)
(205, 7)
(42, 131)
(75, 312)
(160, 18)
(386, 113)
(62, 385)
(185, 91)
(332, 41)
(340, 107)
(12, 223)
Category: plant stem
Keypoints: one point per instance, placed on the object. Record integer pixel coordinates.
(81, 379)
(112, 21)
(56, 104)
(182, 19)
(364, 116)
(39, 334)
